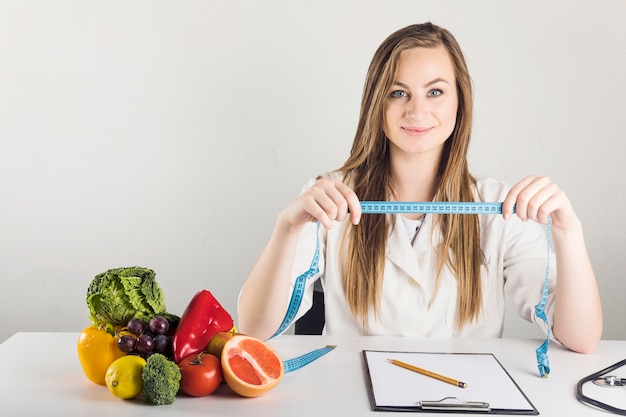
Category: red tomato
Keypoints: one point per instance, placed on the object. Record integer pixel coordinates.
(201, 374)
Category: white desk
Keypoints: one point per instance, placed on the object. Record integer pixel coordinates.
(40, 375)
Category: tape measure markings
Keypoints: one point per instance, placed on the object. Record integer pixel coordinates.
(393, 207)
(542, 351)
(307, 358)
(298, 290)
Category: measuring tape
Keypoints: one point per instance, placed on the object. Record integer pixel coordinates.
(542, 351)
(393, 207)
(396, 207)
(300, 361)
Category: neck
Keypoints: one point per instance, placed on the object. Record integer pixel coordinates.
(414, 177)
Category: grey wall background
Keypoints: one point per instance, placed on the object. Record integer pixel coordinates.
(170, 134)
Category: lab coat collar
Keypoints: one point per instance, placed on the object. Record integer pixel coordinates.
(399, 249)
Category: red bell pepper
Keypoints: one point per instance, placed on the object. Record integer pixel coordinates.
(201, 320)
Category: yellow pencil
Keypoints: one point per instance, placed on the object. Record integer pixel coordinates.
(428, 373)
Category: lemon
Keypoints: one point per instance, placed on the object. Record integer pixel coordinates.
(123, 377)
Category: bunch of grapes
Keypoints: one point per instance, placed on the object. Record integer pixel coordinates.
(145, 340)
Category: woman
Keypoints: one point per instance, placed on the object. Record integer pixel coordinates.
(382, 277)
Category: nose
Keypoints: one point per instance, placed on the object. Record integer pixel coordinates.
(417, 108)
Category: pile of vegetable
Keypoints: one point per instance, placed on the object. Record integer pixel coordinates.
(129, 317)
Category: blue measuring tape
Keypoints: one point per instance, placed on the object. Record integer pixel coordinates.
(542, 351)
(300, 361)
(394, 207)
(292, 310)
(298, 290)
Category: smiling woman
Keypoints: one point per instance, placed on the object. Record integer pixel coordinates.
(411, 144)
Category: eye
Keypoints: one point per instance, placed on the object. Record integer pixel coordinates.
(435, 92)
(398, 94)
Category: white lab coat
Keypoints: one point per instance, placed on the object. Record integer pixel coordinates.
(516, 255)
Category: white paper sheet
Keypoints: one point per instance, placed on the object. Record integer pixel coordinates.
(487, 381)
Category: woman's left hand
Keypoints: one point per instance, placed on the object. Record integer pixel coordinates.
(577, 321)
(537, 198)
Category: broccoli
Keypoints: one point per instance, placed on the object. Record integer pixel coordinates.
(161, 380)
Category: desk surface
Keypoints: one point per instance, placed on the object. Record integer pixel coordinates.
(40, 375)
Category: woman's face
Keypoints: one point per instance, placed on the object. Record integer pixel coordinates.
(421, 105)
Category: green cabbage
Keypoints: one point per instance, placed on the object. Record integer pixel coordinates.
(118, 295)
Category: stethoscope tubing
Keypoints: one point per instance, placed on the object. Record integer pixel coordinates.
(590, 401)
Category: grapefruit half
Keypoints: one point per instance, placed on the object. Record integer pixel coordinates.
(251, 367)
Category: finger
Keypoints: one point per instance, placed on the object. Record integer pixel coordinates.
(345, 200)
(543, 203)
(531, 197)
(328, 203)
(354, 205)
(333, 202)
(511, 199)
(312, 205)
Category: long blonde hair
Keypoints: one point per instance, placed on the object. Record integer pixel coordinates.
(367, 169)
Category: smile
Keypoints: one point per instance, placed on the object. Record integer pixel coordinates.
(417, 131)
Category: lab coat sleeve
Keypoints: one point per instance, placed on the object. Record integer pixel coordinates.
(527, 257)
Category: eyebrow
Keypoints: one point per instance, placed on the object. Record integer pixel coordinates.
(428, 84)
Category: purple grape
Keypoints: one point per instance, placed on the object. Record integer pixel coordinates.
(136, 326)
(126, 343)
(144, 345)
(161, 343)
(159, 325)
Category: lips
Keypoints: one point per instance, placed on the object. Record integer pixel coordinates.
(416, 131)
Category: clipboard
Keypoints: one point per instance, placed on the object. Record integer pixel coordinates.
(490, 388)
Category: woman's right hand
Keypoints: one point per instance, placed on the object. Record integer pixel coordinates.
(326, 201)
(264, 297)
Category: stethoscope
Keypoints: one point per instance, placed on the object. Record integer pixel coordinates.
(602, 379)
